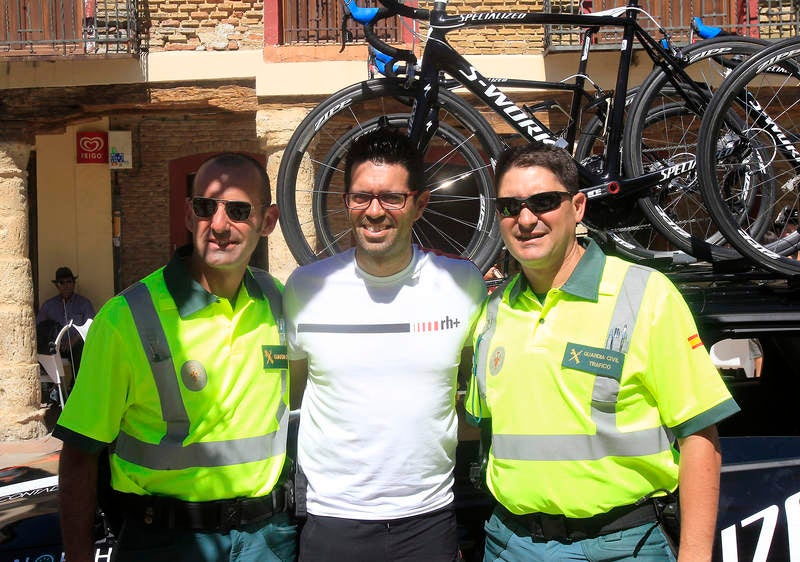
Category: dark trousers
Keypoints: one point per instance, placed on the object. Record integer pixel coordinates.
(430, 537)
(273, 540)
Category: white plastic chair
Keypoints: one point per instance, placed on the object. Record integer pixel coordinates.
(54, 364)
(733, 354)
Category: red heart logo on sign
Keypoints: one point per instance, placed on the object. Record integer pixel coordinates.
(91, 144)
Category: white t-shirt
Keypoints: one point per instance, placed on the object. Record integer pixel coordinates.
(377, 435)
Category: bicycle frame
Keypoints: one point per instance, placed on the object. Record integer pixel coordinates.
(439, 57)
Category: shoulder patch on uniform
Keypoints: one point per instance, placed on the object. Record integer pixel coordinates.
(497, 359)
(695, 341)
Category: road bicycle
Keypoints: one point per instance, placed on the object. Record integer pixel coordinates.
(650, 185)
(753, 123)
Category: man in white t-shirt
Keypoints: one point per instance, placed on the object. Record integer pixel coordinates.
(378, 333)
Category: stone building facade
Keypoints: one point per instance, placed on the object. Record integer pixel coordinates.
(211, 77)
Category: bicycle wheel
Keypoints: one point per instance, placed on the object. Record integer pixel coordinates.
(751, 126)
(434, 229)
(635, 237)
(460, 217)
(675, 207)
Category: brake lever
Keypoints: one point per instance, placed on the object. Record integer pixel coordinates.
(347, 35)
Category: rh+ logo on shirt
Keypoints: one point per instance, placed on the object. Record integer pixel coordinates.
(445, 323)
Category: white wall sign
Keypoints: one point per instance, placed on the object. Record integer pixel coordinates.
(120, 150)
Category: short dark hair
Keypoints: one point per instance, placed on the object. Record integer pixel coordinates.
(553, 158)
(386, 146)
(238, 160)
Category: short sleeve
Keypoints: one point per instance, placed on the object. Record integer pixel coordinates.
(97, 403)
(687, 387)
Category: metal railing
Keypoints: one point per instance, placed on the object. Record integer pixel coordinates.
(68, 27)
(769, 19)
(319, 21)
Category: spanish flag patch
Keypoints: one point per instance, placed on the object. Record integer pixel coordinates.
(695, 341)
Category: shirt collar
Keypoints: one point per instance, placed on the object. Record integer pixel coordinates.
(188, 294)
(584, 282)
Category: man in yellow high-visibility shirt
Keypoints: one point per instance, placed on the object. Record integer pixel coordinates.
(588, 369)
(184, 379)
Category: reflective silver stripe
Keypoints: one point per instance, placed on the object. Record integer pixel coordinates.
(626, 308)
(485, 339)
(623, 320)
(270, 290)
(170, 453)
(282, 416)
(158, 354)
(267, 285)
(579, 447)
(608, 440)
(173, 456)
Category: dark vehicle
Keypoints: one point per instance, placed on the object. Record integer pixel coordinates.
(759, 517)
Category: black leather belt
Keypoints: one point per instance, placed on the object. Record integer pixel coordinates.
(545, 527)
(212, 516)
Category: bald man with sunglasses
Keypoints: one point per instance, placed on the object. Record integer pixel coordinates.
(588, 369)
(185, 381)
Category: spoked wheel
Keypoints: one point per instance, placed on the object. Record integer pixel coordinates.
(750, 148)
(661, 135)
(634, 236)
(460, 217)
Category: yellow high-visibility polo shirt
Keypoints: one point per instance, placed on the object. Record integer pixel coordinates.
(229, 374)
(584, 406)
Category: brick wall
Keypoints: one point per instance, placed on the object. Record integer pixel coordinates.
(778, 20)
(145, 191)
(506, 39)
(213, 25)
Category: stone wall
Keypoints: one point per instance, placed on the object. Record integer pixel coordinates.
(20, 416)
(205, 25)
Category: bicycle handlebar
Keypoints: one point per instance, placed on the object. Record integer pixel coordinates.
(707, 31)
(396, 7)
(368, 17)
(390, 8)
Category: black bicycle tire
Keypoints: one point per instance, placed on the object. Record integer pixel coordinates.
(649, 92)
(381, 92)
(719, 115)
(482, 250)
(616, 240)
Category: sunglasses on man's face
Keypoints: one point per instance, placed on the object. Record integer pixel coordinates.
(206, 207)
(537, 204)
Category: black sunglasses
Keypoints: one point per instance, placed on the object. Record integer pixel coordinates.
(206, 207)
(539, 203)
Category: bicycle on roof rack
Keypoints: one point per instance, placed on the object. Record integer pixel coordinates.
(642, 199)
(754, 123)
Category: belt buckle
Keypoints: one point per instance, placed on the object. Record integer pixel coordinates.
(554, 527)
(230, 515)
